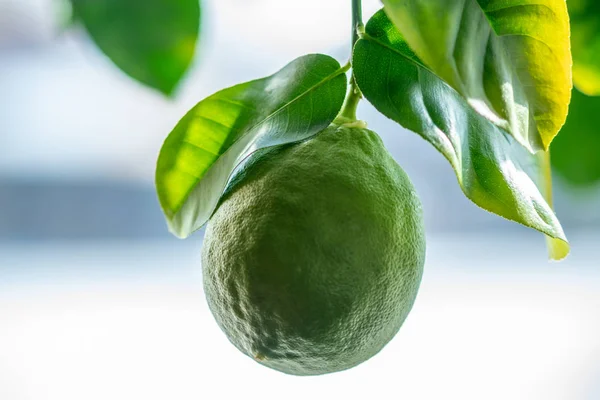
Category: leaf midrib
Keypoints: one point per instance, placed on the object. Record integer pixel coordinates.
(552, 232)
(366, 36)
(330, 77)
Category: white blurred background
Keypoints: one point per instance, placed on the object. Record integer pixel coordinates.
(97, 301)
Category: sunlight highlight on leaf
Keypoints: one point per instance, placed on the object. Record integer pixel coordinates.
(494, 170)
(213, 138)
(510, 59)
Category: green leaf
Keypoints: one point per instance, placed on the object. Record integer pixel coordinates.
(510, 59)
(152, 41)
(492, 168)
(585, 42)
(575, 152)
(200, 154)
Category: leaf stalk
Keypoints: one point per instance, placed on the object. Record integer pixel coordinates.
(354, 95)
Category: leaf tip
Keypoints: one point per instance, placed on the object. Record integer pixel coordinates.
(558, 249)
(169, 91)
(177, 231)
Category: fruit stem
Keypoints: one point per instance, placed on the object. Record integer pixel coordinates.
(356, 20)
(351, 103)
(354, 95)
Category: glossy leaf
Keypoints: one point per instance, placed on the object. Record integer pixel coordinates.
(585, 41)
(576, 150)
(510, 59)
(200, 154)
(492, 168)
(153, 41)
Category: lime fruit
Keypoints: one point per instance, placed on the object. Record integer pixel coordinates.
(314, 256)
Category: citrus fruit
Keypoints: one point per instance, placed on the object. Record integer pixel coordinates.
(314, 256)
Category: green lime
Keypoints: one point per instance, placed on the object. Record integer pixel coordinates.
(313, 259)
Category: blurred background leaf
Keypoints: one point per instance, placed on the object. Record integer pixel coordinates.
(576, 150)
(152, 41)
(585, 43)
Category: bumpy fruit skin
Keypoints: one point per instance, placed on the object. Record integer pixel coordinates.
(313, 259)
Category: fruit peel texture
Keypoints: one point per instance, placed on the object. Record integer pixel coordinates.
(313, 258)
